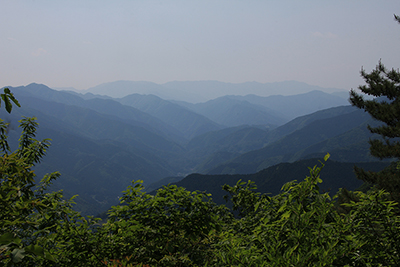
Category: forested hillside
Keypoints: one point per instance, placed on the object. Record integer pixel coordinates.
(270, 180)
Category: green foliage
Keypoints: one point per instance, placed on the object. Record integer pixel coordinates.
(173, 228)
(7, 97)
(37, 227)
(28, 214)
(298, 227)
(376, 229)
(302, 227)
(243, 197)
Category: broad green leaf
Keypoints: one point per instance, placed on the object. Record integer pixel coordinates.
(17, 255)
(35, 249)
(48, 256)
(8, 238)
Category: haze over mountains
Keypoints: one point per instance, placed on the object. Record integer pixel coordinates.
(202, 91)
(100, 143)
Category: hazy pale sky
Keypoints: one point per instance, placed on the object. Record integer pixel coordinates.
(80, 43)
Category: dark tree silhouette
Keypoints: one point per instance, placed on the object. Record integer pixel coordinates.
(384, 85)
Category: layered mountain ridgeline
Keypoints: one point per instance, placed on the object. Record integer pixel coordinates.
(202, 91)
(254, 110)
(100, 144)
(99, 104)
(96, 169)
(293, 106)
(98, 154)
(345, 136)
(237, 140)
(231, 112)
(189, 123)
(335, 175)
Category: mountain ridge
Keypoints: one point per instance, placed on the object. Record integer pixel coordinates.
(200, 91)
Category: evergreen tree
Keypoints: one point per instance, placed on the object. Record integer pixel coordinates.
(384, 85)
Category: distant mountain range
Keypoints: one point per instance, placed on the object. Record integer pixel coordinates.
(202, 91)
(255, 110)
(100, 143)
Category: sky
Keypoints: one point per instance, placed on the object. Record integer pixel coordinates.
(81, 44)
